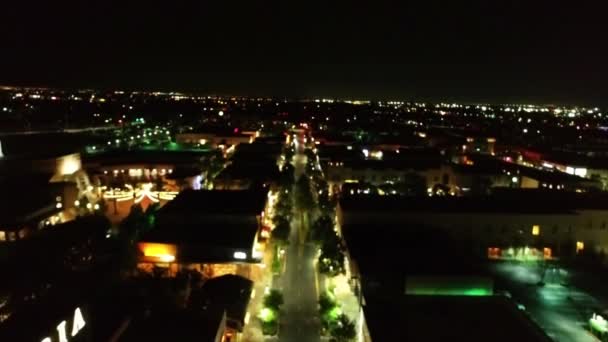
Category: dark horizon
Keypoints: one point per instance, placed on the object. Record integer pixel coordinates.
(503, 52)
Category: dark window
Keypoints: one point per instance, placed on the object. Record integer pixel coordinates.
(603, 225)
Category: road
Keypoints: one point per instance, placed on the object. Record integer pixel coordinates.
(299, 316)
(299, 321)
(559, 310)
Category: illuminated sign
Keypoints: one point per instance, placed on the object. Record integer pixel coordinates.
(77, 324)
(240, 255)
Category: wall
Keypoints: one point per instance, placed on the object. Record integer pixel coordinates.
(558, 231)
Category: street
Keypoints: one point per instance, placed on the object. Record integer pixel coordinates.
(299, 315)
(299, 321)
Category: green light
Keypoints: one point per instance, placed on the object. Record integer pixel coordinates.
(475, 291)
(449, 286)
(267, 315)
(598, 323)
(334, 313)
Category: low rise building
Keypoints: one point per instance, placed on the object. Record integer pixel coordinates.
(510, 224)
(213, 232)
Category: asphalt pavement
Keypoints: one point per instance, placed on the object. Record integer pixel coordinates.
(299, 317)
(299, 320)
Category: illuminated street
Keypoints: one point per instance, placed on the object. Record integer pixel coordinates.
(299, 321)
(561, 311)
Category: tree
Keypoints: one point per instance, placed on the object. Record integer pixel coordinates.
(344, 329)
(327, 203)
(304, 199)
(274, 299)
(326, 304)
(288, 152)
(481, 186)
(281, 229)
(283, 206)
(331, 260)
(323, 229)
(286, 179)
(413, 185)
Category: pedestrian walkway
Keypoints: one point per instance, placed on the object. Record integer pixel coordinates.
(344, 295)
(252, 332)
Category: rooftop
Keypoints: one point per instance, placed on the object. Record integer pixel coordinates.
(27, 200)
(257, 171)
(214, 202)
(180, 325)
(449, 318)
(516, 201)
(228, 292)
(137, 156)
(23, 146)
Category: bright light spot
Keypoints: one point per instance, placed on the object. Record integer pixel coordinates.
(89, 206)
(514, 179)
(220, 113)
(58, 205)
(240, 255)
(535, 230)
(580, 246)
(267, 315)
(96, 206)
(166, 258)
(78, 323)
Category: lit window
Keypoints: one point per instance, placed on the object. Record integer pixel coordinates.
(579, 246)
(535, 230)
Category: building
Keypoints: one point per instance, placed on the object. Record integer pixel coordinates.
(49, 279)
(116, 168)
(231, 294)
(377, 167)
(251, 165)
(509, 224)
(32, 204)
(180, 325)
(212, 232)
(222, 139)
(445, 318)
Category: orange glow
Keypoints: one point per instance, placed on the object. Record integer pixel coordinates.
(493, 253)
(158, 252)
(547, 253)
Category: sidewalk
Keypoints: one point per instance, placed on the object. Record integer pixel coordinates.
(252, 332)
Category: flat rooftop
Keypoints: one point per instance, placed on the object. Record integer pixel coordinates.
(214, 202)
(449, 318)
(520, 201)
(139, 156)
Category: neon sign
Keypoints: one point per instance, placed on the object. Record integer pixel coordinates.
(77, 324)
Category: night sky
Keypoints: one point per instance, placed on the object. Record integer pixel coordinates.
(495, 51)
